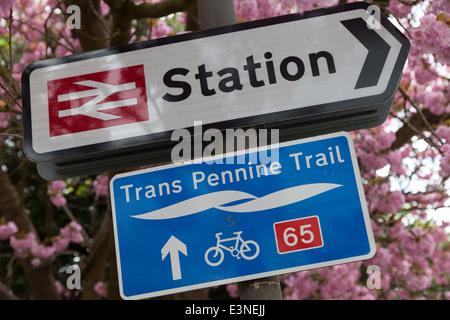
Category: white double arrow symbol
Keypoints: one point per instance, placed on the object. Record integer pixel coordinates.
(92, 107)
(174, 246)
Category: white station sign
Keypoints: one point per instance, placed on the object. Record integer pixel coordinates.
(321, 62)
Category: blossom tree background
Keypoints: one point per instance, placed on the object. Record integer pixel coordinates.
(53, 232)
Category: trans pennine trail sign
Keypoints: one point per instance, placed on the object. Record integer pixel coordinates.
(238, 217)
(322, 71)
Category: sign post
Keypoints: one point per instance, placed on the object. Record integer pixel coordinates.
(213, 14)
(216, 13)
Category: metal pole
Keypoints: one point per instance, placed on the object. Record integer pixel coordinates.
(216, 13)
(260, 289)
(212, 14)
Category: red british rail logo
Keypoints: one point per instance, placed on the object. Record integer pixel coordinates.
(97, 100)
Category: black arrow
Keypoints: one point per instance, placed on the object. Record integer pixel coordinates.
(377, 55)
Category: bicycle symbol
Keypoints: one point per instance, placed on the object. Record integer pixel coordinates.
(249, 249)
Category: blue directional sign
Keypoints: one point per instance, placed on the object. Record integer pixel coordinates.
(296, 206)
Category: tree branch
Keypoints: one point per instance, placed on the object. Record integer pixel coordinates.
(419, 111)
(94, 270)
(11, 207)
(405, 133)
(92, 34)
(6, 294)
(14, 85)
(124, 11)
(160, 9)
(40, 280)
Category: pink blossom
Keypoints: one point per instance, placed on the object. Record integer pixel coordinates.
(418, 245)
(443, 132)
(400, 10)
(101, 185)
(4, 119)
(392, 202)
(101, 289)
(398, 262)
(307, 5)
(434, 101)
(383, 200)
(433, 37)
(55, 192)
(269, 8)
(36, 262)
(327, 3)
(304, 5)
(7, 230)
(371, 160)
(340, 281)
(395, 160)
(377, 230)
(24, 243)
(445, 160)
(60, 243)
(377, 139)
(439, 234)
(233, 290)
(59, 286)
(422, 75)
(420, 280)
(427, 21)
(58, 200)
(381, 258)
(441, 263)
(5, 6)
(42, 251)
(438, 6)
(72, 231)
(300, 286)
(161, 29)
(247, 9)
(182, 18)
(57, 186)
(384, 139)
(37, 52)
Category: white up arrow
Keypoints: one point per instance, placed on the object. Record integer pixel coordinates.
(172, 246)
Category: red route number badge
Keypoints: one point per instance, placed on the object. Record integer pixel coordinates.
(298, 234)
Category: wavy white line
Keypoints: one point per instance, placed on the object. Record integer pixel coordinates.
(219, 199)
